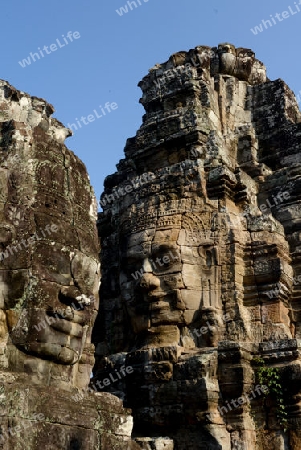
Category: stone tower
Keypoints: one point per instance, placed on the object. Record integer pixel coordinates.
(200, 252)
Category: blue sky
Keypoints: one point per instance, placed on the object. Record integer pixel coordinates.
(115, 51)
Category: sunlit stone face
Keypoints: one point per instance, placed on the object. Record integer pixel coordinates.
(59, 311)
(151, 277)
(169, 277)
(49, 269)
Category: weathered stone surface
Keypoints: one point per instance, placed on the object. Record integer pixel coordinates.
(49, 281)
(200, 253)
(33, 417)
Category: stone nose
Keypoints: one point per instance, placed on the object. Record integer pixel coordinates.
(149, 281)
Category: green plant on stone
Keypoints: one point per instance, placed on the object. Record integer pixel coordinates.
(271, 377)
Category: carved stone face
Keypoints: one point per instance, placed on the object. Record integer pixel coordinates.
(168, 276)
(239, 62)
(56, 317)
(49, 273)
(227, 58)
(151, 277)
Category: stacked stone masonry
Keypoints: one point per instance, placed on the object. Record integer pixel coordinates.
(201, 258)
(199, 305)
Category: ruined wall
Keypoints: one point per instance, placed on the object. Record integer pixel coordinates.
(200, 253)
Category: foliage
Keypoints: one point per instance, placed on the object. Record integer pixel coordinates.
(271, 377)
